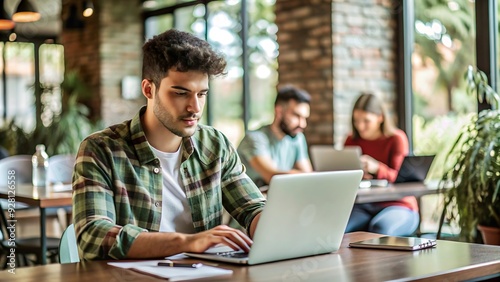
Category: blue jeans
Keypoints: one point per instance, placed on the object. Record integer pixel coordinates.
(373, 217)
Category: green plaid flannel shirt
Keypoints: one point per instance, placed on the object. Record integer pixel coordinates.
(117, 187)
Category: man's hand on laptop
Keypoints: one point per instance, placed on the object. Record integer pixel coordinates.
(222, 234)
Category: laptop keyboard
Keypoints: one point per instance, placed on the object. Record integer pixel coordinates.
(233, 254)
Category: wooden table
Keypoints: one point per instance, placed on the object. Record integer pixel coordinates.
(395, 192)
(41, 197)
(45, 198)
(449, 261)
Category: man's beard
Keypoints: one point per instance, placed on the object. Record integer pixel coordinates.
(170, 122)
(284, 127)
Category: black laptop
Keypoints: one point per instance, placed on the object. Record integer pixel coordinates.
(414, 169)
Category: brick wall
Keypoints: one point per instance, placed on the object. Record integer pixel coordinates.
(107, 49)
(81, 54)
(336, 50)
(121, 55)
(305, 59)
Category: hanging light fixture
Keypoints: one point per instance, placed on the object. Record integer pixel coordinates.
(73, 20)
(88, 8)
(25, 12)
(6, 23)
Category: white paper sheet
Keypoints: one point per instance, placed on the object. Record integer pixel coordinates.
(150, 267)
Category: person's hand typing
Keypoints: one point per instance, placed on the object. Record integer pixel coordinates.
(222, 234)
(369, 164)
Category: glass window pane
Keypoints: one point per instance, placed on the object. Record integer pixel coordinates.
(191, 19)
(20, 82)
(51, 63)
(498, 50)
(444, 36)
(158, 24)
(227, 92)
(263, 53)
(157, 4)
(51, 77)
(3, 96)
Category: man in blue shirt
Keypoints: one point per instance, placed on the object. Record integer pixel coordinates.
(280, 147)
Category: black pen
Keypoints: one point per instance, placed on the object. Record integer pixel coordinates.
(178, 264)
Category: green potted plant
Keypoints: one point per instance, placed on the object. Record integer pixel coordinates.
(472, 185)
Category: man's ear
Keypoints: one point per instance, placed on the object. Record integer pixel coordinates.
(279, 111)
(148, 88)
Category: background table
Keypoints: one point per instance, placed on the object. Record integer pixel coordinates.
(395, 192)
(41, 197)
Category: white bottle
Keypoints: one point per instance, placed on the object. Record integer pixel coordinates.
(40, 161)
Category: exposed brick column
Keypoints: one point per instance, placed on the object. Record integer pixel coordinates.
(104, 51)
(305, 59)
(121, 55)
(81, 53)
(336, 50)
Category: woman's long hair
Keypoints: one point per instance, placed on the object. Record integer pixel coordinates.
(368, 102)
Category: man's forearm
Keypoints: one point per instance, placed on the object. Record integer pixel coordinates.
(253, 225)
(157, 244)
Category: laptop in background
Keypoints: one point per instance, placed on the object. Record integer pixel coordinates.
(327, 158)
(414, 169)
(305, 214)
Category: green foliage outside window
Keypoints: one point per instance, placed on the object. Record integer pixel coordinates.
(66, 129)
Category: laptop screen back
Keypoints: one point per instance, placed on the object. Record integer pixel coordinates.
(306, 214)
(327, 158)
(414, 169)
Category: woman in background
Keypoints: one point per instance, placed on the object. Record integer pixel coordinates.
(383, 149)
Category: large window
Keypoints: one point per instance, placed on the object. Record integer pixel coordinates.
(226, 96)
(251, 77)
(18, 98)
(51, 77)
(19, 71)
(444, 34)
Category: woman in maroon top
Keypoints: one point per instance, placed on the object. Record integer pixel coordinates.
(384, 148)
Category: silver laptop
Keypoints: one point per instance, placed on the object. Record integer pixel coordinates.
(306, 214)
(327, 158)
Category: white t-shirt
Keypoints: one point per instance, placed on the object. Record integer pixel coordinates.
(175, 210)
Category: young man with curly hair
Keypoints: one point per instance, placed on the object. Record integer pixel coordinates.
(156, 185)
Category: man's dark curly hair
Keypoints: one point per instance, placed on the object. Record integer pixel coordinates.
(181, 51)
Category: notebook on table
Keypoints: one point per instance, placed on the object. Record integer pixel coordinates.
(414, 169)
(305, 214)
